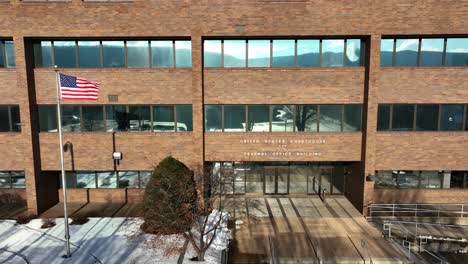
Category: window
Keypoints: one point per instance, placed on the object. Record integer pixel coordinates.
(451, 118)
(71, 118)
(235, 53)
(259, 118)
(306, 118)
(234, 118)
(128, 179)
(145, 178)
(386, 52)
(212, 53)
(259, 53)
(430, 180)
(408, 179)
(10, 118)
(282, 118)
(406, 52)
(386, 179)
(43, 54)
(117, 118)
(403, 116)
(113, 54)
(330, 118)
(65, 54)
(432, 51)
(427, 117)
(332, 52)
(89, 54)
(162, 54)
(9, 59)
(139, 118)
(283, 53)
(2, 57)
(353, 52)
(93, 119)
(213, 118)
(106, 179)
(352, 117)
(137, 54)
(457, 52)
(164, 119)
(12, 179)
(47, 118)
(308, 52)
(184, 118)
(183, 54)
(86, 179)
(458, 180)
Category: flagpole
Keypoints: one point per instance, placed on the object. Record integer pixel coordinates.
(62, 164)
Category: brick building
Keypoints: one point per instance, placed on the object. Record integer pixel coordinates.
(365, 98)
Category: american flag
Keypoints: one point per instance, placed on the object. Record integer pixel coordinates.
(74, 88)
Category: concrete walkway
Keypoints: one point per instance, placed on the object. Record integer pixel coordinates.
(307, 230)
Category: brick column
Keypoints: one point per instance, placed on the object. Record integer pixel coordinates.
(197, 97)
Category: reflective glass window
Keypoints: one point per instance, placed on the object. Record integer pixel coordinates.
(298, 174)
(107, 179)
(353, 52)
(283, 53)
(183, 53)
(352, 117)
(427, 117)
(430, 179)
(139, 118)
(235, 53)
(213, 118)
(332, 52)
(306, 118)
(65, 54)
(164, 119)
(128, 179)
(18, 179)
(408, 179)
(432, 51)
(137, 54)
(162, 53)
(93, 119)
(71, 118)
(43, 54)
(85, 179)
(5, 179)
(89, 54)
(259, 118)
(403, 117)
(254, 178)
(259, 53)
(282, 118)
(10, 54)
(117, 118)
(47, 118)
(234, 118)
(113, 54)
(184, 118)
(457, 179)
(457, 52)
(406, 52)
(2, 59)
(145, 178)
(383, 117)
(308, 52)
(451, 118)
(386, 52)
(212, 53)
(330, 118)
(15, 118)
(4, 119)
(386, 180)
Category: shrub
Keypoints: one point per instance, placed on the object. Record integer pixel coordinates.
(169, 199)
(23, 219)
(79, 219)
(48, 222)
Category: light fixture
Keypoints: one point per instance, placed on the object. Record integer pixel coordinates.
(117, 157)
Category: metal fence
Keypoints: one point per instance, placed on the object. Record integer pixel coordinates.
(418, 210)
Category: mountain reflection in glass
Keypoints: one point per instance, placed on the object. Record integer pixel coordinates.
(283, 53)
(457, 52)
(432, 51)
(183, 53)
(212, 53)
(282, 118)
(259, 53)
(308, 52)
(332, 52)
(259, 118)
(89, 54)
(235, 53)
(137, 54)
(65, 54)
(406, 52)
(386, 52)
(306, 118)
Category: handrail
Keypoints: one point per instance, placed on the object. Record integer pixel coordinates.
(408, 245)
(382, 210)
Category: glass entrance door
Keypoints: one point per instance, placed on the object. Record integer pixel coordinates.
(276, 179)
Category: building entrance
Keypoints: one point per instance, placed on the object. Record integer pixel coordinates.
(276, 179)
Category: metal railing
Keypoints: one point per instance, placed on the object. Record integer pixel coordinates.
(418, 210)
(403, 226)
(413, 246)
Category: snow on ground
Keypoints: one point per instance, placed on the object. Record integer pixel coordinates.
(101, 240)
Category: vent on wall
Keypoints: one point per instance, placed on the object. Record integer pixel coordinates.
(113, 98)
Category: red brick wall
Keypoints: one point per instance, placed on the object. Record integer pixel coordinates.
(11, 152)
(8, 87)
(420, 196)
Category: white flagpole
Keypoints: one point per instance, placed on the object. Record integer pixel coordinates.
(64, 179)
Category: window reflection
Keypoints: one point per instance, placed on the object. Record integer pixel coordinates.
(128, 179)
(93, 118)
(65, 54)
(164, 120)
(332, 52)
(283, 53)
(432, 51)
(71, 118)
(213, 118)
(113, 53)
(184, 118)
(386, 52)
(162, 54)
(107, 179)
(4, 119)
(308, 52)
(43, 54)
(212, 53)
(47, 118)
(259, 53)
(117, 118)
(406, 52)
(10, 54)
(89, 54)
(183, 54)
(427, 116)
(86, 179)
(137, 54)
(234, 53)
(457, 52)
(234, 118)
(2, 58)
(282, 118)
(352, 117)
(259, 118)
(139, 118)
(353, 52)
(306, 118)
(330, 118)
(451, 117)
(403, 116)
